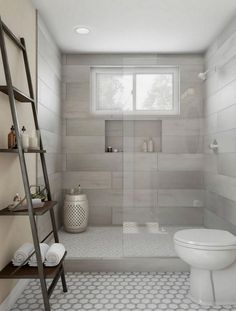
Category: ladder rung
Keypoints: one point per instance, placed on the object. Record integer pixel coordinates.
(11, 35)
(20, 96)
(16, 151)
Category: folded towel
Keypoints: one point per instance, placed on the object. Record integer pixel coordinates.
(43, 249)
(22, 253)
(54, 254)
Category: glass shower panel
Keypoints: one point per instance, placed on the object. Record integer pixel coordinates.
(141, 229)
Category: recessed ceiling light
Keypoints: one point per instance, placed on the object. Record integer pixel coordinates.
(82, 30)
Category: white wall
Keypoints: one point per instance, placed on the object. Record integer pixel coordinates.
(21, 19)
(220, 124)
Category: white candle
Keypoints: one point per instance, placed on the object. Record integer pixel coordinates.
(25, 141)
(33, 142)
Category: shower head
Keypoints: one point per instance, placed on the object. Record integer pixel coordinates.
(203, 75)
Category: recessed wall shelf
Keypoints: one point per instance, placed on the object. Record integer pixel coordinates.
(128, 136)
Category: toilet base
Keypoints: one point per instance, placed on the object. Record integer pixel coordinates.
(213, 287)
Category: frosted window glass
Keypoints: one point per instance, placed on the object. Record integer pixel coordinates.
(114, 92)
(154, 92)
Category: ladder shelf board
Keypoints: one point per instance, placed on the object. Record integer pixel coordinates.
(19, 96)
(25, 151)
(22, 211)
(27, 272)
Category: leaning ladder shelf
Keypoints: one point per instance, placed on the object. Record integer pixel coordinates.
(25, 272)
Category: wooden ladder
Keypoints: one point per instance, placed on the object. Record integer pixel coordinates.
(24, 271)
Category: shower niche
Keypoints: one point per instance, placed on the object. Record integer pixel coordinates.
(129, 135)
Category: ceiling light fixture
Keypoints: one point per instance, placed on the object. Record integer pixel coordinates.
(82, 30)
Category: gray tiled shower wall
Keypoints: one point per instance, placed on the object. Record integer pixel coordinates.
(220, 124)
(166, 185)
(50, 119)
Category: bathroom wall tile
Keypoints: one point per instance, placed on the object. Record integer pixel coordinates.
(48, 98)
(84, 144)
(182, 144)
(227, 164)
(140, 198)
(182, 127)
(94, 162)
(88, 180)
(211, 124)
(51, 141)
(48, 120)
(100, 215)
(46, 74)
(79, 92)
(134, 171)
(114, 128)
(87, 127)
(181, 197)
(147, 128)
(74, 73)
(180, 162)
(135, 180)
(211, 163)
(117, 216)
(212, 221)
(104, 197)
(221, 206)
(180, 180)
(180, 216)
(140, 215)
(140, 161)
(226, 119)
(75, 109)
(222, 99)
(223, 185)
(226, 141)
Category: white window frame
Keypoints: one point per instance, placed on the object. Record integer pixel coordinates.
(174, 70)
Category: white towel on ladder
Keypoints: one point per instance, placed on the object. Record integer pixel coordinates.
(43, 249)
(54, 254)
(22, 253)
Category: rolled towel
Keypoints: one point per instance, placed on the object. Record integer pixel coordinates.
(22, 253)
(54, 254)
(43, 249)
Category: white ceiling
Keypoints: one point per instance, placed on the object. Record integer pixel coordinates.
(164, 26)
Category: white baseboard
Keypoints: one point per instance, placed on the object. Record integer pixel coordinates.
(15, 293)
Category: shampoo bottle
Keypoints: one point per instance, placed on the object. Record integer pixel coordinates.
(145, 146)
(150, 145)
(10, 141)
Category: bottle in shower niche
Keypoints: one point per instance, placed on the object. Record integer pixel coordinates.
(144, 146)
(12, 139)
(150, 145)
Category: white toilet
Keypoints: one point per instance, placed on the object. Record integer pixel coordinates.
(211, 255)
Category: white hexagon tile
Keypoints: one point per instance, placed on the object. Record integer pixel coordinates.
(117, 292)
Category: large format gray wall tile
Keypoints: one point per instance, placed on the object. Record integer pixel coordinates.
(220, 120)
(50, 119)
(125, 186)
(94, 162)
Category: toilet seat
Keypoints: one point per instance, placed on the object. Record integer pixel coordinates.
(209, 239)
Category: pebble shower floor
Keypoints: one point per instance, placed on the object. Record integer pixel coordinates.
(117, 292)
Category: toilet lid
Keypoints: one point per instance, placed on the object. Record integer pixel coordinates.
(207, 237)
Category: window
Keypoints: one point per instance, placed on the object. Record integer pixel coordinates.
(144, 91)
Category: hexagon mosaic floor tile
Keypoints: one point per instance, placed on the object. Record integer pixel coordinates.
(117, 292)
